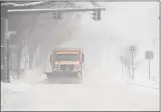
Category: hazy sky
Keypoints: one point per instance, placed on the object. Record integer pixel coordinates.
(122, 24)
(125, 23)
(130, 20)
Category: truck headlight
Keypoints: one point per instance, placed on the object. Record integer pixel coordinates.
(57, 66)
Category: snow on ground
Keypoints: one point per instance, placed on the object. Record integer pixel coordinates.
(89, 97)
(79, 97)
(96, 93)
(103, 87)
(33, 76)
(10, 91)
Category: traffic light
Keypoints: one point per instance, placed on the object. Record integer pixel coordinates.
(96, 15)
(57, 15)
(99, 15)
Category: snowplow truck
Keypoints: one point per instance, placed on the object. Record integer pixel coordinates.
(68, 62)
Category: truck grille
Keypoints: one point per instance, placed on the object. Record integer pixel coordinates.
(67, 67)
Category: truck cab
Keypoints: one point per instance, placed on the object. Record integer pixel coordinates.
(69, 61)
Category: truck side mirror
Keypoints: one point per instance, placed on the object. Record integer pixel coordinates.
(51, 58)
(82, 57)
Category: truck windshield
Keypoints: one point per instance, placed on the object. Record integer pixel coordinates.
(67, 57)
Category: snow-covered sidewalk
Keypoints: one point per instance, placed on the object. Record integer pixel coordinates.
(10, 90)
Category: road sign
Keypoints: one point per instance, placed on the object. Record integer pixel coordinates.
(149, 55)
(132, 49)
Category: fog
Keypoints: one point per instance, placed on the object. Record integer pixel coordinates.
(105, 85)
(122, 25)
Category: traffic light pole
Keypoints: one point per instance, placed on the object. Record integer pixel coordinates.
(22, 11)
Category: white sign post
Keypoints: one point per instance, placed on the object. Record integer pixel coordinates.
(132, 50)
(149, 56)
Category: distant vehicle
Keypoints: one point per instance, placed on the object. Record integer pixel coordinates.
(69, 61)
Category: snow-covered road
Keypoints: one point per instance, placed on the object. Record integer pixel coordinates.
(80, 97)
(121, 26)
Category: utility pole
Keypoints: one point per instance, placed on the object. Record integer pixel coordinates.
(6, 37)
(4, 19)
(7, 53)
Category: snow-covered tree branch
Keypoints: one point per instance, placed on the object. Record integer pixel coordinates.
(33, 4)
(24, 5)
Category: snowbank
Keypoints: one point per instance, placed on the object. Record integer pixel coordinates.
(33, 76)
(8, 91)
